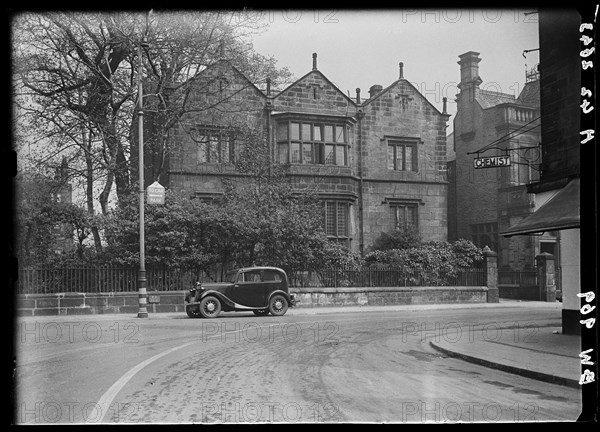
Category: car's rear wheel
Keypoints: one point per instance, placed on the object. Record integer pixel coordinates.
(278, 305)
(193, 311)
(261, 312)
(210, 307)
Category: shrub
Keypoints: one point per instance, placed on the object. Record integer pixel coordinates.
(435, 262)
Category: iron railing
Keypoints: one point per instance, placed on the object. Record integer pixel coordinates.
(385, 277)
(100, 279)
(113, 279)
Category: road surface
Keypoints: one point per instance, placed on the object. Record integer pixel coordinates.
(302, 367)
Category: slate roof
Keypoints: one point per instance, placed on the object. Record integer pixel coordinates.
(530, 96)
(490, 98)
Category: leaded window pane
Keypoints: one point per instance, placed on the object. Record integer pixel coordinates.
(295, 133)
(317, 133)
(284, 151)
(306, 153)
(306, 132)
(329, 154)
(295, 153)
(340, 155)
(329, 133)
(391, 149)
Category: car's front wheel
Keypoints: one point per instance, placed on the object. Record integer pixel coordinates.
(261, 312)
(278, 305)
(210, 307)
(193, 311)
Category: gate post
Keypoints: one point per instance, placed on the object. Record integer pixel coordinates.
(491, 271)
(545, 276)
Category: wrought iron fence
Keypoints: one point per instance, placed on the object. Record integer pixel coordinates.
(385, 277)
(111, 279)
(100, 279)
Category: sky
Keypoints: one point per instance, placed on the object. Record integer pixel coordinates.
(360, 48)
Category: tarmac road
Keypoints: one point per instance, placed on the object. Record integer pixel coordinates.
(372, 365)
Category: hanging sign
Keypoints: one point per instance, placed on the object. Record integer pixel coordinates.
(155, 193)
(491, 162)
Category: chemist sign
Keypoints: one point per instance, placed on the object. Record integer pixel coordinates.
(491, 162)
(155, 193)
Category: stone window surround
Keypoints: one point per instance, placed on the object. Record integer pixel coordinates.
(346, 200)
(288, 117)
(405, 202)
(219, 135)
(399, 140)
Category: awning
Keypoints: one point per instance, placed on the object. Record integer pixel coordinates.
(559, 213)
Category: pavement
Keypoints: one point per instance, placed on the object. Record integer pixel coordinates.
(541, 353)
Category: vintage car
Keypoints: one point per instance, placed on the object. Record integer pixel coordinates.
(262, 290)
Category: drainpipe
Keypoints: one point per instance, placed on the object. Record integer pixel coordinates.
(268, 109)
(361, 237)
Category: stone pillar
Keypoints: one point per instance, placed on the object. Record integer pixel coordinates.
(545, 275)
(491, 269)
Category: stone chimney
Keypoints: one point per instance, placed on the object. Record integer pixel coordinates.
(358, 96)
(314, 61)
(374, 90)
(401, 70)
(469, 70)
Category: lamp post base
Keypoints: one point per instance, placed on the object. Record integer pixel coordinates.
(142, 296)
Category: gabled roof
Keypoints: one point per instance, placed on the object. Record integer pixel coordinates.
(235, 69)
(314, 71)
(392, 85)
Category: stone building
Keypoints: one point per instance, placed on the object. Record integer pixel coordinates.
(376, 163)
(557, 191)
(486, 201)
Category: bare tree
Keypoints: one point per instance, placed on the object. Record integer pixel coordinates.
(74, 85)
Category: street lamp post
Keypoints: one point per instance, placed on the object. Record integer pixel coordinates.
(141, 281)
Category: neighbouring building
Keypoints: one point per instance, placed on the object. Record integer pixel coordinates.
(485, 201)
(557, 192)
(377, 163)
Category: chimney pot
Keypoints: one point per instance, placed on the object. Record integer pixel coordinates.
(401, 65)
(374, 90)
(314, 61)
(357, 95)
(444, 100)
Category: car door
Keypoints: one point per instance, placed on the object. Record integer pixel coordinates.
(248, 290)
(272, 281)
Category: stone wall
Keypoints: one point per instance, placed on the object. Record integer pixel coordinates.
(173, 301)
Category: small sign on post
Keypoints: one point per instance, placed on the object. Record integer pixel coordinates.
(491, 162)
(155, 193)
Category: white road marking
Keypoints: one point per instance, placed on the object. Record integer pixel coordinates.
(109, 395)
(107, 398)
